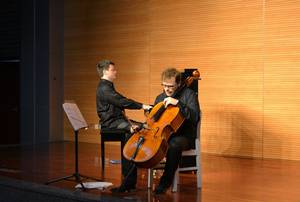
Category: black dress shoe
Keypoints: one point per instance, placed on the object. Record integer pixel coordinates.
(161, 189)
(122, 189)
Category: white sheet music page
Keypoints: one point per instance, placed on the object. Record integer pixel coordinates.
(74, 115)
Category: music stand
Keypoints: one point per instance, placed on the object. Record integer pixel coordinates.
(78, 122)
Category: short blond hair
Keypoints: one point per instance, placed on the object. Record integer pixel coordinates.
(170, 73)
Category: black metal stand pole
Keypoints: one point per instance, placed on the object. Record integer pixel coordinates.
(78, 177)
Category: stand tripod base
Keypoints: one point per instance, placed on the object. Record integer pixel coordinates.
(76, 177)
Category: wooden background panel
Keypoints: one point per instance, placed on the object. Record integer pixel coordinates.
(223, 39)
(80, 86)
(96, 30)
(247, 53)
(282, 61)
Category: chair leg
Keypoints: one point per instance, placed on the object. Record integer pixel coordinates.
(199, 181)
(150, 178)
(175, 181)
(199, 177)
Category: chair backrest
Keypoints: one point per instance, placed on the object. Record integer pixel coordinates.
(199, 128)
(196, 147)
(198, 132)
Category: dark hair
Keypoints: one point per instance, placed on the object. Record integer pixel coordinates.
(170, 73)
(103, 65)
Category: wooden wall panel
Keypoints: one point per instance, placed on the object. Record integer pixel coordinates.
(281, 80)
(97, 30)
(224, 40)
(246, 51)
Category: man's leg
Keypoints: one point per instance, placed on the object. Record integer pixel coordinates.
(129, 170)
(177, 144)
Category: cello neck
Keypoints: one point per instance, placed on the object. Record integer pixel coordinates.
(188, 81)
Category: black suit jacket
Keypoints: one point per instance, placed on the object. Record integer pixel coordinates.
(111, 104)
(189, 108)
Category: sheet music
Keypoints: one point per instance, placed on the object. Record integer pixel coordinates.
(95, 185)
(74, 115)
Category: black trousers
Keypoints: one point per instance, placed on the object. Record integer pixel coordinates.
(177, 144)
(128, 169)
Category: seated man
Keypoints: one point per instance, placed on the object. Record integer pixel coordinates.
(184, 138)
(110, 109)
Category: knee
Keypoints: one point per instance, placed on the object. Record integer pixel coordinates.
(174, 146)
(179, 143)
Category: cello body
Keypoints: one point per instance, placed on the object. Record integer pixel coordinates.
(156, 136)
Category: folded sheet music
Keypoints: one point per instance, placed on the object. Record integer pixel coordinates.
(74, 115)
(95, 185)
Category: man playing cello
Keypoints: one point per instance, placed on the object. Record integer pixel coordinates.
(187, 102)
(184, 138)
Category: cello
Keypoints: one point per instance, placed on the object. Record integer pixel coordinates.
(147, 147)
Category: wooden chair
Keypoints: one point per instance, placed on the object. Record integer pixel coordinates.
(196, 152)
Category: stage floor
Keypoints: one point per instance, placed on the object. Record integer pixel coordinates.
(224, 178)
